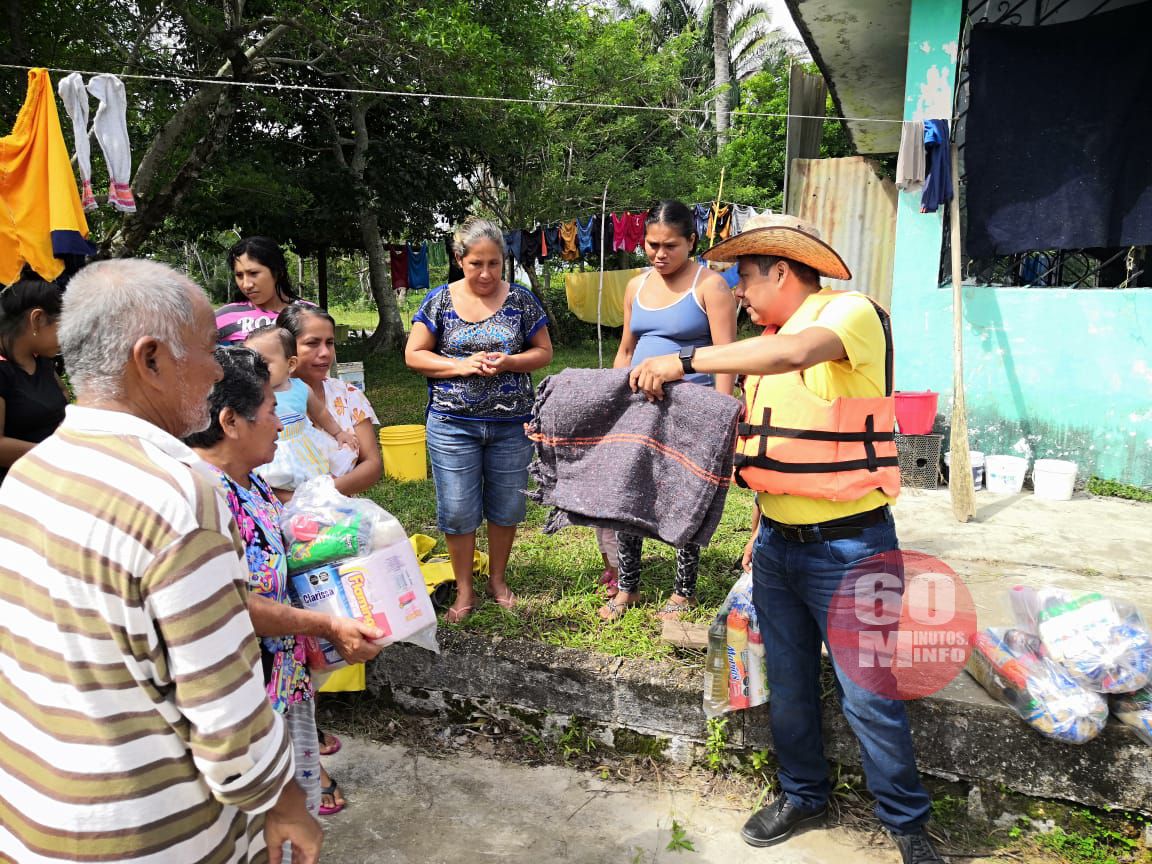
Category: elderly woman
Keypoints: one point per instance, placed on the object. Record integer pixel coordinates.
(315, 333)
(476, 340)
(263, 289)
(32, 397)
(240, 437)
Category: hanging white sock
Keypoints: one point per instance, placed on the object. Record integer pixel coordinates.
(111, 125)
(75, 99)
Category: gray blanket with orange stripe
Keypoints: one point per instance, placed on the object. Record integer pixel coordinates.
(607, 457)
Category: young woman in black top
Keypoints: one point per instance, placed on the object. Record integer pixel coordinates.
(32, 397)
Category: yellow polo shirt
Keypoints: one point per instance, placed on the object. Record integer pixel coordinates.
(853, 318)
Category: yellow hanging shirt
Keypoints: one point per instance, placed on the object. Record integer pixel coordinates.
(40, 212)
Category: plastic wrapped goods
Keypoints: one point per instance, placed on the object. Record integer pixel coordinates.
(1135, 709)
(1103, 645)
(734, 666)
(1010, 664)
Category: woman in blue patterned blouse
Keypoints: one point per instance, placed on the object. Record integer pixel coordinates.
(477, 340)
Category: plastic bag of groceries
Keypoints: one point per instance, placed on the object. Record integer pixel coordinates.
(734, 675)
(1135, 709)
(1011, 665)
(1104, 644)
(351, 558)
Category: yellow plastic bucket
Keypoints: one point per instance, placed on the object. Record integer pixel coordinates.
(403, 451)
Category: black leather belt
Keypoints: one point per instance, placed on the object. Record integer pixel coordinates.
(833, 529)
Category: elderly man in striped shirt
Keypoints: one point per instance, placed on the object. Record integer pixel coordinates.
(133, 720)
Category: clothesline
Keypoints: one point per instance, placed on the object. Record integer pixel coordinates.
(407, 94)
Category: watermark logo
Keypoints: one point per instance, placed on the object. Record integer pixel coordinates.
(901, 624)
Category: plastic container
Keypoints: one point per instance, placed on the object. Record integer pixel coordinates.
(404, 452)
(1005, 474)
(916, 411)
(976, 458)
(1053, 479)
(716, 669)
(737, 660)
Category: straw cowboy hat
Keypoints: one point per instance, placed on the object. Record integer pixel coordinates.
(785, 237)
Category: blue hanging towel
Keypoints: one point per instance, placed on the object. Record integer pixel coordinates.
(418, 266)
(938, 163)
(585, 243)
(700, 219)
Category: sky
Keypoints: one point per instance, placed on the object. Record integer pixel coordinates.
(776, 8)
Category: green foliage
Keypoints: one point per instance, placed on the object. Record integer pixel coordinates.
(1115, 489)
(575, 741)
(716, 743)
(679, 841)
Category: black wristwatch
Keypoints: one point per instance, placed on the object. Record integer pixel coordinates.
(686, 355)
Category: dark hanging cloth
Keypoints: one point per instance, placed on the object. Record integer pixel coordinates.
(552, 239)
(398, 263)
(700, 213)
(1057, 135)
(938, 164)
(512, 243)
(455, 274)
(531, 244)
(603, 225)
(418, 266)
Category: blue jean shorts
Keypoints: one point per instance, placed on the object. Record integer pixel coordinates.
(480, 468)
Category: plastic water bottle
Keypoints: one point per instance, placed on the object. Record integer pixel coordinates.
(737, 660)
(716, 669)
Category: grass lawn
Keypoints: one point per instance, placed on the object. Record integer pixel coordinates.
(557, 577)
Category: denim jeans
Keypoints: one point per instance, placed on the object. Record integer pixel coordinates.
(793, 586)
(480, 469)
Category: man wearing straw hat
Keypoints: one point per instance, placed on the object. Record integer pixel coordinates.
(818, 447)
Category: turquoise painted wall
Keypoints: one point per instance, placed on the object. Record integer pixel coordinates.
(1049, 372)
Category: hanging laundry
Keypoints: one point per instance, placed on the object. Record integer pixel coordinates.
(619, 230)
(938, 163)
(455, 273)
(543, 245)
(741, 213)
(719, 223)
(910, 159)
(634, 232)
(531, 245)
(437, 255)
(512, 244)
(552, 239)
(111, 128)
(75, 99)
(584, 234)
(418, 267)
(608, 232)
(41, 217)
(398, 264)
(700, 219)
(569, 249)
(583, 292)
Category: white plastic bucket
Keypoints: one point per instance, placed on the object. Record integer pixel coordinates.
(976, 459)
(1054, 479)
(1005, 474)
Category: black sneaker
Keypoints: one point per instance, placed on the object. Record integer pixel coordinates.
(778, 820)
(917, 848)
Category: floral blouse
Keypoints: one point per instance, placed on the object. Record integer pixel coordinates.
(257, 514)
(348, 404)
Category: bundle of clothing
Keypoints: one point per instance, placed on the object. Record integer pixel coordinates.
(607, 457)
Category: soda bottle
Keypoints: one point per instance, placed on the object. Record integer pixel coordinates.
(737, 660)
(757, 677)
(716, 669)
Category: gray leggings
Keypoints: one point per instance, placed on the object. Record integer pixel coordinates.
(687, 565)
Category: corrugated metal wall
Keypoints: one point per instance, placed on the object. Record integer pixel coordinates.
(855, 210)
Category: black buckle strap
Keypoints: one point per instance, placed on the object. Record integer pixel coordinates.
(833, 529)
(742, 460)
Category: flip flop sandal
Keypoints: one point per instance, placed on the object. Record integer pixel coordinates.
(508, 601)
(331, 744)
(331, 789)
(672, 611)
(457, 615)
(615, 610)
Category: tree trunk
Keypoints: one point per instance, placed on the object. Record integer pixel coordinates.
(389, 335)
(722, 62)
(322, 277)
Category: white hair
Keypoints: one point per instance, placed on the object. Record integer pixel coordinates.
(474, 230)
(108, 307)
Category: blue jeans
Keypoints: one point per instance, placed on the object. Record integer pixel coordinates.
(793, 585)
(480, 469)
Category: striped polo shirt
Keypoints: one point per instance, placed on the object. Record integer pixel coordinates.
(134, 725)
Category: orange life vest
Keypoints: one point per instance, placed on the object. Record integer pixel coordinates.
(795, 443)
